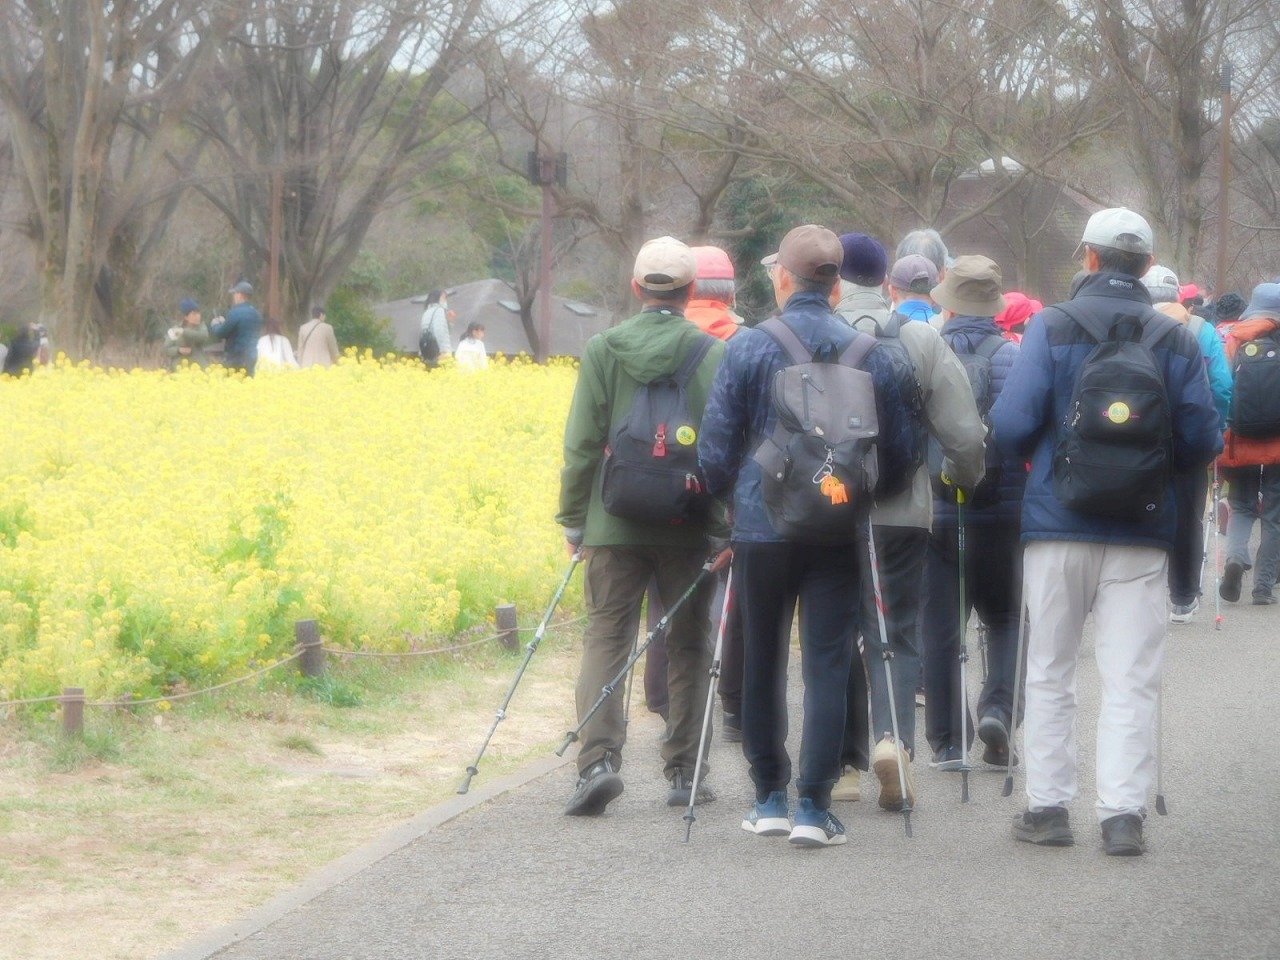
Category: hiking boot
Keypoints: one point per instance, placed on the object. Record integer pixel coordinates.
(1045, 828)
(769, 819)
(993, 730)
(1184, 612)
(816, 828)
(682, 787)
(1229, 587)
(884, 761)
(849, 787)
(1122, 835)
(598, 786)
(1263, 599)
(731, 731)
(948, 758)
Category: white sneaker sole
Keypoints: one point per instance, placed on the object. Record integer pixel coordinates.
(768, 827)
(806, 836)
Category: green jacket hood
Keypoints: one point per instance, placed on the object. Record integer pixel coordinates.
(650, 344)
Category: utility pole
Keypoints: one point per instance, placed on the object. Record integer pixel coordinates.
(1224, 206)
(545, 170)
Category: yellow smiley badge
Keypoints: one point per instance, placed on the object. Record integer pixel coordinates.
(1118, 412)
(1251, 350)
(686, 435)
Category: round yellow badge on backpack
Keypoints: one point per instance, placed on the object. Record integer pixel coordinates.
(686, 435)
(1118, 412)
(1250, 349)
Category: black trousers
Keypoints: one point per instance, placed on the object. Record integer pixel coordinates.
(993, 588)
(1187, 559)
(823, 580)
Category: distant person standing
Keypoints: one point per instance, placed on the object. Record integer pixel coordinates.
(240, 329)
(317, 343)
(471, 354)
(187, 339)
(433, 335)
(274, 348)
(22, 351)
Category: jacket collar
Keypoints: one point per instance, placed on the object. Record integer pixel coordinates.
(1115, 285)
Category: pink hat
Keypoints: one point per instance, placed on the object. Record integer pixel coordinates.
(1187, 291)
(1019, 308)
(713, 263)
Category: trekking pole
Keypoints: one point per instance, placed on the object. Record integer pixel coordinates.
(689, 818)
(1217, 558)
(964, 655)
(983, 634)
(1160, 804)
(612, 685)
(1017, 686)
(886, 655)
(530, 649)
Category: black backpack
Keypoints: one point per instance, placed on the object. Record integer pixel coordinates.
(428, 348)
(1114, 450)
(650, 472)
(978, 367)
(1255, 398)
(820, 466)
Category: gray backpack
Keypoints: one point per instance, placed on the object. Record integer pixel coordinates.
(820, 464)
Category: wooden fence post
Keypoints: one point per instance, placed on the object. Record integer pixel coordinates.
(72, 701)
(309, 644)
(509, 634)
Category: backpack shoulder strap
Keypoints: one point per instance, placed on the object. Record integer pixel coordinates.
(990, 346)
(1158, 326)
(693, 360)
(1094, 327)
(856, 350)
(892, 327)
(786, 338)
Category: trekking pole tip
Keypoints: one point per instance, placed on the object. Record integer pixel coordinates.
(1160, 805)
(964, 785)
(466, 783)
(1008, 787)
(906, 821)
(568, 739)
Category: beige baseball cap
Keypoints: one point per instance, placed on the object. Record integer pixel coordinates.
(665, 263)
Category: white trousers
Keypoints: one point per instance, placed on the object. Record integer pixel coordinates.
(1126, 589)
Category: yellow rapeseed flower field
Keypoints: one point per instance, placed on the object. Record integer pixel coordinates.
(161, 531)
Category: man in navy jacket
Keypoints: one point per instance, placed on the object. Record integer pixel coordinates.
(1076, 562)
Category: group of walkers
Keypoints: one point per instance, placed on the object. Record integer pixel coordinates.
(434, 341)
(251, 343)
(900, 446)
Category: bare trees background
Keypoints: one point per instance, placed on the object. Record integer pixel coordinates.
(136, 133)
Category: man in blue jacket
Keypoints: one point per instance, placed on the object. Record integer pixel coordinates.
(240, 328)
(772, 573)
(1077, 562)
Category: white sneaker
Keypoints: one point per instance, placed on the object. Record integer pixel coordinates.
(884, 761)
(1184, 612)
(849, 787)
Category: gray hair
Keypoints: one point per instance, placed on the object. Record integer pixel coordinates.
(928, 244)
(717, 289)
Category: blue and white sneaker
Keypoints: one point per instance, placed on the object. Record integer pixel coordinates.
(769, 819)
(816, 828)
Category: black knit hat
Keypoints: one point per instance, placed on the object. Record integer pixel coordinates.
(1229, 307)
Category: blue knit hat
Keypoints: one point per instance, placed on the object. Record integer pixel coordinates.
(187, 305)
(865, 261)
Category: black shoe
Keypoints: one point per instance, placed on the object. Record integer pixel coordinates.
(732, 730)
(993, 730)
(949, 757)
(1044, 828)
(1229, 587)
(681, 786)
(1122, 835)
(1263, 599)
(598, 786)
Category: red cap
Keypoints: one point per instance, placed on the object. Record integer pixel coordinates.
(1187, 291)
(1019, 308)
(713, 263)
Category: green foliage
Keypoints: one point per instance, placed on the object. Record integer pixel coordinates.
(301, 743)
(356, 325)
(330, 690)
(99, 743)
(15, 518)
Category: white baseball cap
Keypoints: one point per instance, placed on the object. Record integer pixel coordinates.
(1120, 229)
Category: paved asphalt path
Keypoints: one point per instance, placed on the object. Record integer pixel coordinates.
(512, 878)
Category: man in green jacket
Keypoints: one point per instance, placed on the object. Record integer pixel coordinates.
(622, 555)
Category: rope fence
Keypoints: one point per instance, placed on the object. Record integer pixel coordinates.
(309, 653)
